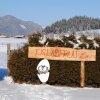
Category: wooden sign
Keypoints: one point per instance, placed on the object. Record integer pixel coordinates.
(59, 53)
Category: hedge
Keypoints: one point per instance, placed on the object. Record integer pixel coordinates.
(66, 73)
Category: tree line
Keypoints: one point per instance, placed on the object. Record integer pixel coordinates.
(77, 23)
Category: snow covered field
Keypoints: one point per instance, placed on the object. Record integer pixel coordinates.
(12, 91)
(14, 44)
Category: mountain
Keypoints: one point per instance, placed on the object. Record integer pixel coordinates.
(12, 26)
(77, 23)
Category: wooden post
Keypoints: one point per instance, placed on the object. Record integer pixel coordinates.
(8, 52)
(82, 72)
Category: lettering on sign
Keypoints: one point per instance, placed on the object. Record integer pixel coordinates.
(59, 53)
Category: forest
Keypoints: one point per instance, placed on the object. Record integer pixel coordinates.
(77, 23)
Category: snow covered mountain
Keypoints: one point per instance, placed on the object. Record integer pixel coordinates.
(12, 26)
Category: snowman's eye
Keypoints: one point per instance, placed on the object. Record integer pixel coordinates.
(43, 66)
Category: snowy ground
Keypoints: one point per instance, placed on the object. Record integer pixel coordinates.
(12, 91)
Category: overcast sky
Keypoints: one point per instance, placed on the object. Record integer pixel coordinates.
(46, 12)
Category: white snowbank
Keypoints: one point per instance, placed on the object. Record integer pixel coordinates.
(14, 91)
(8, 79)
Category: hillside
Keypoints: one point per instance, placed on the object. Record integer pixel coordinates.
(12, 26)
(77, 23)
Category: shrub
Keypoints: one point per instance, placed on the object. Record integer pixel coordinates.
(23, 69)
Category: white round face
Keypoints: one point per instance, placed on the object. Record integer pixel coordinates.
(42, 69)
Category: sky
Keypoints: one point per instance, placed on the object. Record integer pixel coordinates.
(46, 12)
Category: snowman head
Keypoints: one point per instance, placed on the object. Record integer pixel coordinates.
(43, 66)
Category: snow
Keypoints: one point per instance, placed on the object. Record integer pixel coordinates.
(8, 79)
(57, 37)
(12, 40)
(4, 48)
(42, 39)
(75, 45)
(89, 33)
(14, 91)
(95, 44)
(22, 26)
(14, 44)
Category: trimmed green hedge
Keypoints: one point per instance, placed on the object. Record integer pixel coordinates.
(23, 69)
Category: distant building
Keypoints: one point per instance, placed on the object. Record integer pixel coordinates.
(19, 36)
(3, 36)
